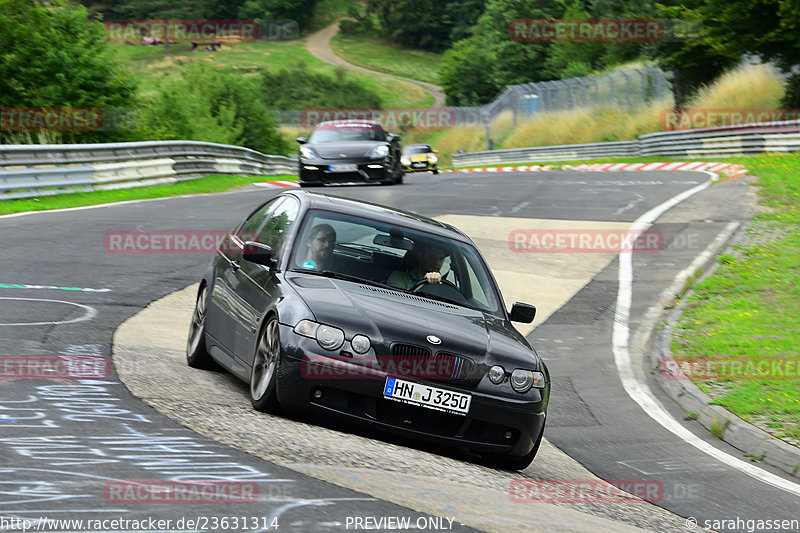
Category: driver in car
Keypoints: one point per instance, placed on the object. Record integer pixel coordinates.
(428, 266)
(320, 242)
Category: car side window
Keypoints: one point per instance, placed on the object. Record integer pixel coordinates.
(249, 229)
(279, 220)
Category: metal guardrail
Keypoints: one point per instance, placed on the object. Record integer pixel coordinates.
(745, 139)
(568, 152)
(38, 170)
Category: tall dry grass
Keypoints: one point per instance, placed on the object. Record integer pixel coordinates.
(746, 87)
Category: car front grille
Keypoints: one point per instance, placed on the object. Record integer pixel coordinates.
(408, 360)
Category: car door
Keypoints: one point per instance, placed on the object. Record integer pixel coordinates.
(257, 285)
(225, 304)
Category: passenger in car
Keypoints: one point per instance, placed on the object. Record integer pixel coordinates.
(429, 260)
(320, 242)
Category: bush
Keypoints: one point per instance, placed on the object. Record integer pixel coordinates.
(297, 88)
(212, 106)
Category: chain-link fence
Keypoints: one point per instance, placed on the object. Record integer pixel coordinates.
(621, 89)
(627, 88)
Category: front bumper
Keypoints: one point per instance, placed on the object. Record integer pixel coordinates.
(494, 424)
(420, 166)
(322, 171)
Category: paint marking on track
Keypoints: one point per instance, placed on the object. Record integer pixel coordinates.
(49, 287)
(636, 388)
(89, 313)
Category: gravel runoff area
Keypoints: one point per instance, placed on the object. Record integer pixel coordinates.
(149, 357)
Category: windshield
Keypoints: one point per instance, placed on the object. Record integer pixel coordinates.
(398, 257)
(413, 150)
(327, 135)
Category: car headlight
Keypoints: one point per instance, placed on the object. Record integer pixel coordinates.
(523, 380)
(432, 158)
(405, 160)
(379, 151)
(329, 337)
(360, 344)
(497, 374)
(307, 153)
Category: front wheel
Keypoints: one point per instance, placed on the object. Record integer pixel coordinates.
(196, 352)
(263, 375)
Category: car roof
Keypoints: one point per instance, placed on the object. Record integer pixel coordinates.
(421, 145)
(382, 213)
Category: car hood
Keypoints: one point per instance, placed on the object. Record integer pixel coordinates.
(390, 317)
(352, 149)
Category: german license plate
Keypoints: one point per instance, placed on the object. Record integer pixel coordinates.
(426, 396)
(418, 165)
(344, 167)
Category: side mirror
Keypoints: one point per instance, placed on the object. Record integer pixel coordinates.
(521, 312)
(258, 253)
(392, 138)
(302, 140)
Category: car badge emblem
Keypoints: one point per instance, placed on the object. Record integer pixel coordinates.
(433, 339)
(343, 155)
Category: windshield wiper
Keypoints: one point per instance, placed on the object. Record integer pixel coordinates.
(343, 277)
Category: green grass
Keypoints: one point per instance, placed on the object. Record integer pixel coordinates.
(748, 310)
(208, 184)
(150, 68)
(380, 55)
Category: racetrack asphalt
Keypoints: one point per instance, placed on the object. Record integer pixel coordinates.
(591, 417)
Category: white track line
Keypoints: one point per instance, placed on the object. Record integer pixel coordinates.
(636, 388)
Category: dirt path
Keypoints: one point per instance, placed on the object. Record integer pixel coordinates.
(319, 44)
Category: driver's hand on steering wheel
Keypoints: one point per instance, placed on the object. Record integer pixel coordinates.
(433, 277)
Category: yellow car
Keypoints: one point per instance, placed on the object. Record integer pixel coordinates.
(419, 158)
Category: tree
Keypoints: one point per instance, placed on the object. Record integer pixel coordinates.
(263, 10)
(52, 56)
(492, 56)
(764, 28)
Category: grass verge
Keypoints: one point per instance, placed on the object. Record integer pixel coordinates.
(208, 184)
(741, 323)
(380, 55)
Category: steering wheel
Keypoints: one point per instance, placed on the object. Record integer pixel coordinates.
(418, 285)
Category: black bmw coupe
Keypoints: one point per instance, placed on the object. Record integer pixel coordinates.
(350, 151)
(349, 309)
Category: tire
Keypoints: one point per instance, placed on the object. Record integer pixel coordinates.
(436, 171)
(263, 374)
(197, 355)
(510, 462)
(398, 175)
